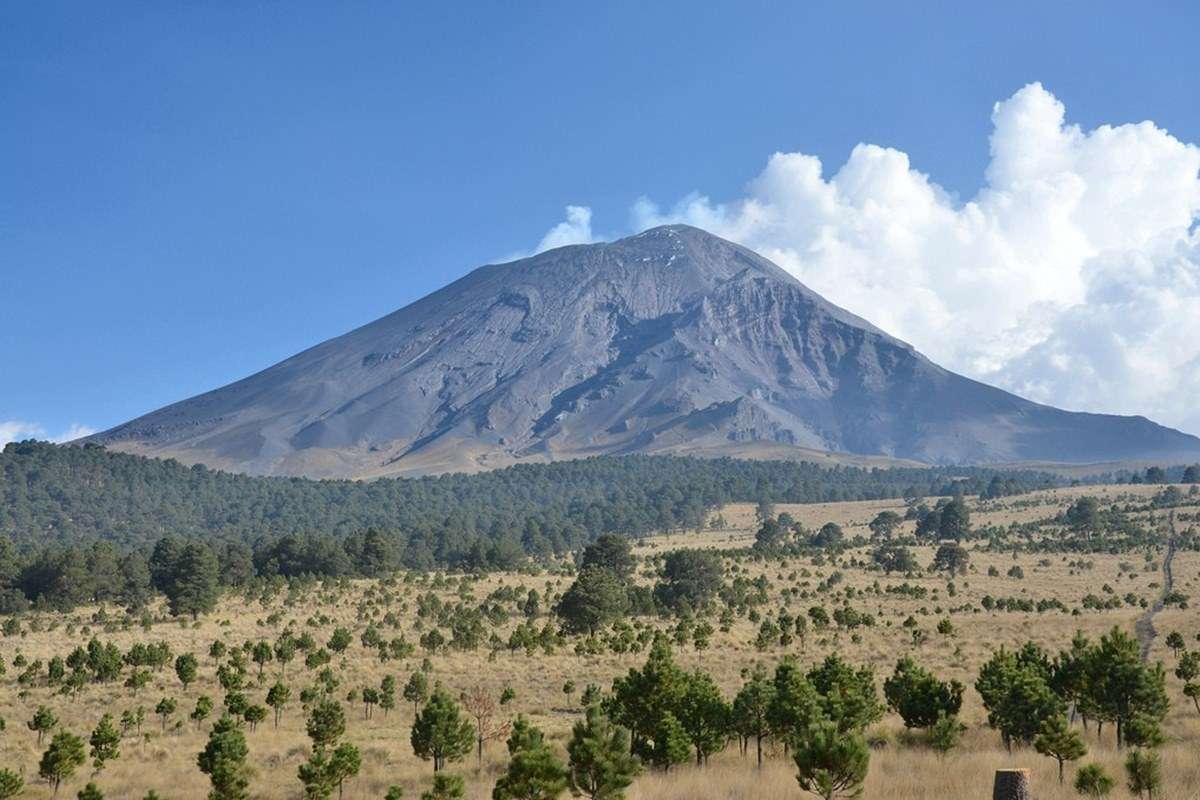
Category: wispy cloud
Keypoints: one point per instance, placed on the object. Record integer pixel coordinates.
(15, 430)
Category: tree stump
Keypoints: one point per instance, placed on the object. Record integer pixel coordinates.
(1012, 784)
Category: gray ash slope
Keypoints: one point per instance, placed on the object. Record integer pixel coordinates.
(673, 340)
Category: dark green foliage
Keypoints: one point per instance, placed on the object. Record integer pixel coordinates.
(670, 745)
(11, 784)
(952, 558)
(795, 703)
(596, 598)
(894, 558)
(416, 691)
(85, 494)
(64, 755)
(1091, 780)
(955, 520)
(750, 713)
(919, 697)
(831, 763)
(847, 695)
(186, 668)
(601, 766)
(440, 732)
(704, 715)
(165, 708)
(641, 699)
(326, 723)
(195, 587)
(1016, 692)
(770, 537)
(885, 524)
(105, 742)
(445, 787)
(1058, 740)
(204, 707)
(277, 697)
(611, 552)
(944, 734)
(43, 720)
(1083, 515)
(223, 760)
(1143, 769)
(534, 772)
(90, 792)
(689, 579)
(1119, 687)
(830, 535)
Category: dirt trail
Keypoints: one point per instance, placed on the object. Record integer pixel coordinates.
(1145, 624)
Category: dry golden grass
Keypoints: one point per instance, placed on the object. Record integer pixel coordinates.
(901, 769)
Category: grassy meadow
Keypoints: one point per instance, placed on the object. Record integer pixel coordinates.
(163, 757)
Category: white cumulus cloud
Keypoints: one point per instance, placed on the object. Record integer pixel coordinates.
(1072, 277)
(15, 430)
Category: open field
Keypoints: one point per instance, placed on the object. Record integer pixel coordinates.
(164, 757)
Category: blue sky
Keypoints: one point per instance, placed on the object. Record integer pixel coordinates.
(191, 192)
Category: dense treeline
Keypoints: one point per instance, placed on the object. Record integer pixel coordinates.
(83, 524)
(70, 495)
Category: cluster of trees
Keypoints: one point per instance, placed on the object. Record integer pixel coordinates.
(72, 495)
(1033, 699)
(820, 716)
(603, 591)
(1156, 475)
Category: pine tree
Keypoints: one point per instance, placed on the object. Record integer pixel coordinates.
(641, 699)
(919, 697)
(186, 669)
(1144, 771)
(277, 697)
(204, 707)
(326, 723)
(223, 760)
(534, 771)
(601, 764)
(262, 654)
(195, 587)
(831, 763)
(345, 763)
(704, 715)
(751, 709)
(254, 714)
(416, 691)
(64, 755)
(445, 787)
(43, 720)
(1060, 741)
(11, 784)
(105, 742)
(671, 745)
(440, 733)
(387, 694)
(316, 775)
(1093, 781)
(943, 735)
(165, 708)
(90, 792)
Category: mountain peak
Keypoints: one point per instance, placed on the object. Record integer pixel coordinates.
(670, 340)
